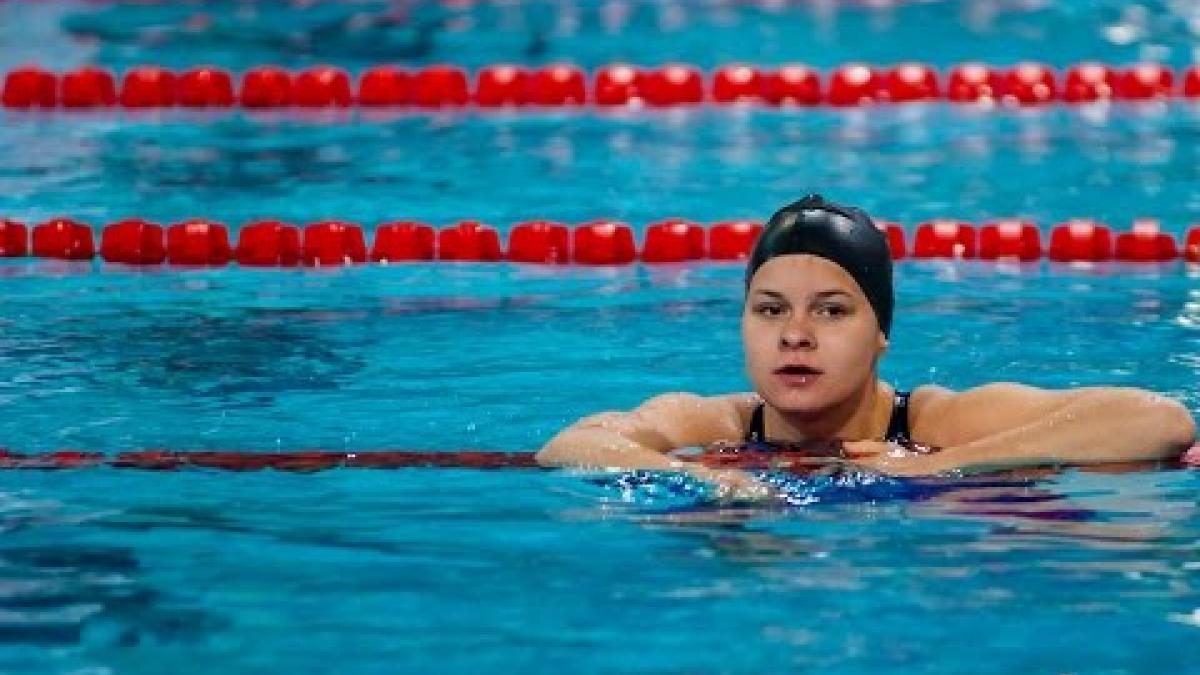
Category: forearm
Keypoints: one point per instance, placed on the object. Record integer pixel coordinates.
(599, 448)
(1116, 427)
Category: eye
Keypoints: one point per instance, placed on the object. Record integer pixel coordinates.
(769, 309)
(833, 310)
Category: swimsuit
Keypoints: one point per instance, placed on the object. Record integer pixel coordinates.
(897, 431)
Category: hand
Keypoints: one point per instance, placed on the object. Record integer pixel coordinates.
(733, 485)
(1192, 456)
(896, 460)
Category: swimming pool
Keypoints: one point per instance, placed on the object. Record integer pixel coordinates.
(446, 570)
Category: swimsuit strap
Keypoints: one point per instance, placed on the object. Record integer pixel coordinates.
(897, 430)
(757, 432)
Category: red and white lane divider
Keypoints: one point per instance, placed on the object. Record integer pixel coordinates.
(270, 243)
(619, 84)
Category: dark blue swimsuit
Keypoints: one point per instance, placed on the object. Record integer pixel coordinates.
(897, 431)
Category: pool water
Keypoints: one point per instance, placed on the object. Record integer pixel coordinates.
(446, 570)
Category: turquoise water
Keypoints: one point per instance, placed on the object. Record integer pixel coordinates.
(449, 571)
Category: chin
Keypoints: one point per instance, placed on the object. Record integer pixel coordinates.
(800, 402)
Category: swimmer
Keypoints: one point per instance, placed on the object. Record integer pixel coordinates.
(816, 321)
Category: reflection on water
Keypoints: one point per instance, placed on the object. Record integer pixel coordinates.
(591, 30)
(1021, 510)
(999, 541)
(202, 563)
(58, 595)
(576, 166)
(1026, 552)
(218, 356)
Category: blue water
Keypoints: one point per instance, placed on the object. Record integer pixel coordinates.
(904, 163)
(450, 571)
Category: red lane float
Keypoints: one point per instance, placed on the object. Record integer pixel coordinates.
(673, 240)
(1088, 82)
(895, 238)
(1191, 82)
(737, 82)
(322, 86)
(854, 84)
(133, 241)
(733, 240)
(558, 84)
(604, 242)
(29, 88)
(88, 87)
(331, 243)
(944, 238)
(1145, 81)
(14, 239)
(974, 83)
(1191, 246)
(63, 238)
(385, 86)
(440, 86)
(617, 84)
(912, 82)
(1030, 84)
(266, 87)
(198, 242)
(1081, 240)
(539, 241)
(149, 87)
(402, 241)
(1010, 239)
(206, 87)
(469, 240)
(270, 243)
(1146, 243)
(793, 84)
(502, 85)
(674, 84)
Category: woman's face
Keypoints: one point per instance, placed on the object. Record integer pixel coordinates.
(811, 338)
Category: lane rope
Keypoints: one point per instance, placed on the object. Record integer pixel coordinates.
(795, 460)
(301, 461)
(614, 85)
(272, 243)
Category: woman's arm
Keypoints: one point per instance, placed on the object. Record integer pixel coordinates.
(640, 439)
(1007, 425)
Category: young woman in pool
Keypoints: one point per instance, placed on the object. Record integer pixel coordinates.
(816, 321)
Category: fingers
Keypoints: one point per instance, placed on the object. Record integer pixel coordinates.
(860, 449)
(864, 449)
(736, 486)
(1192, 456)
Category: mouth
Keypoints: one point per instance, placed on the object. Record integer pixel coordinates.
(797, 370)
(797, 376)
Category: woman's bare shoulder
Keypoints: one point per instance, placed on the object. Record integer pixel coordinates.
(694, 419)
(928, 396)
(924, 405)
(743, 405)
(945, 417)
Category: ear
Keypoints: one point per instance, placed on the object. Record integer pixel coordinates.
(882, 342)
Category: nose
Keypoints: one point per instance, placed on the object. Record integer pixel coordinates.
(797, 334)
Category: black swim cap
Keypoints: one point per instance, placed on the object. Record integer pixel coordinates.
(841, 234)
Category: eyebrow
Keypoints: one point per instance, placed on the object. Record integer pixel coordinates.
(820, 295)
